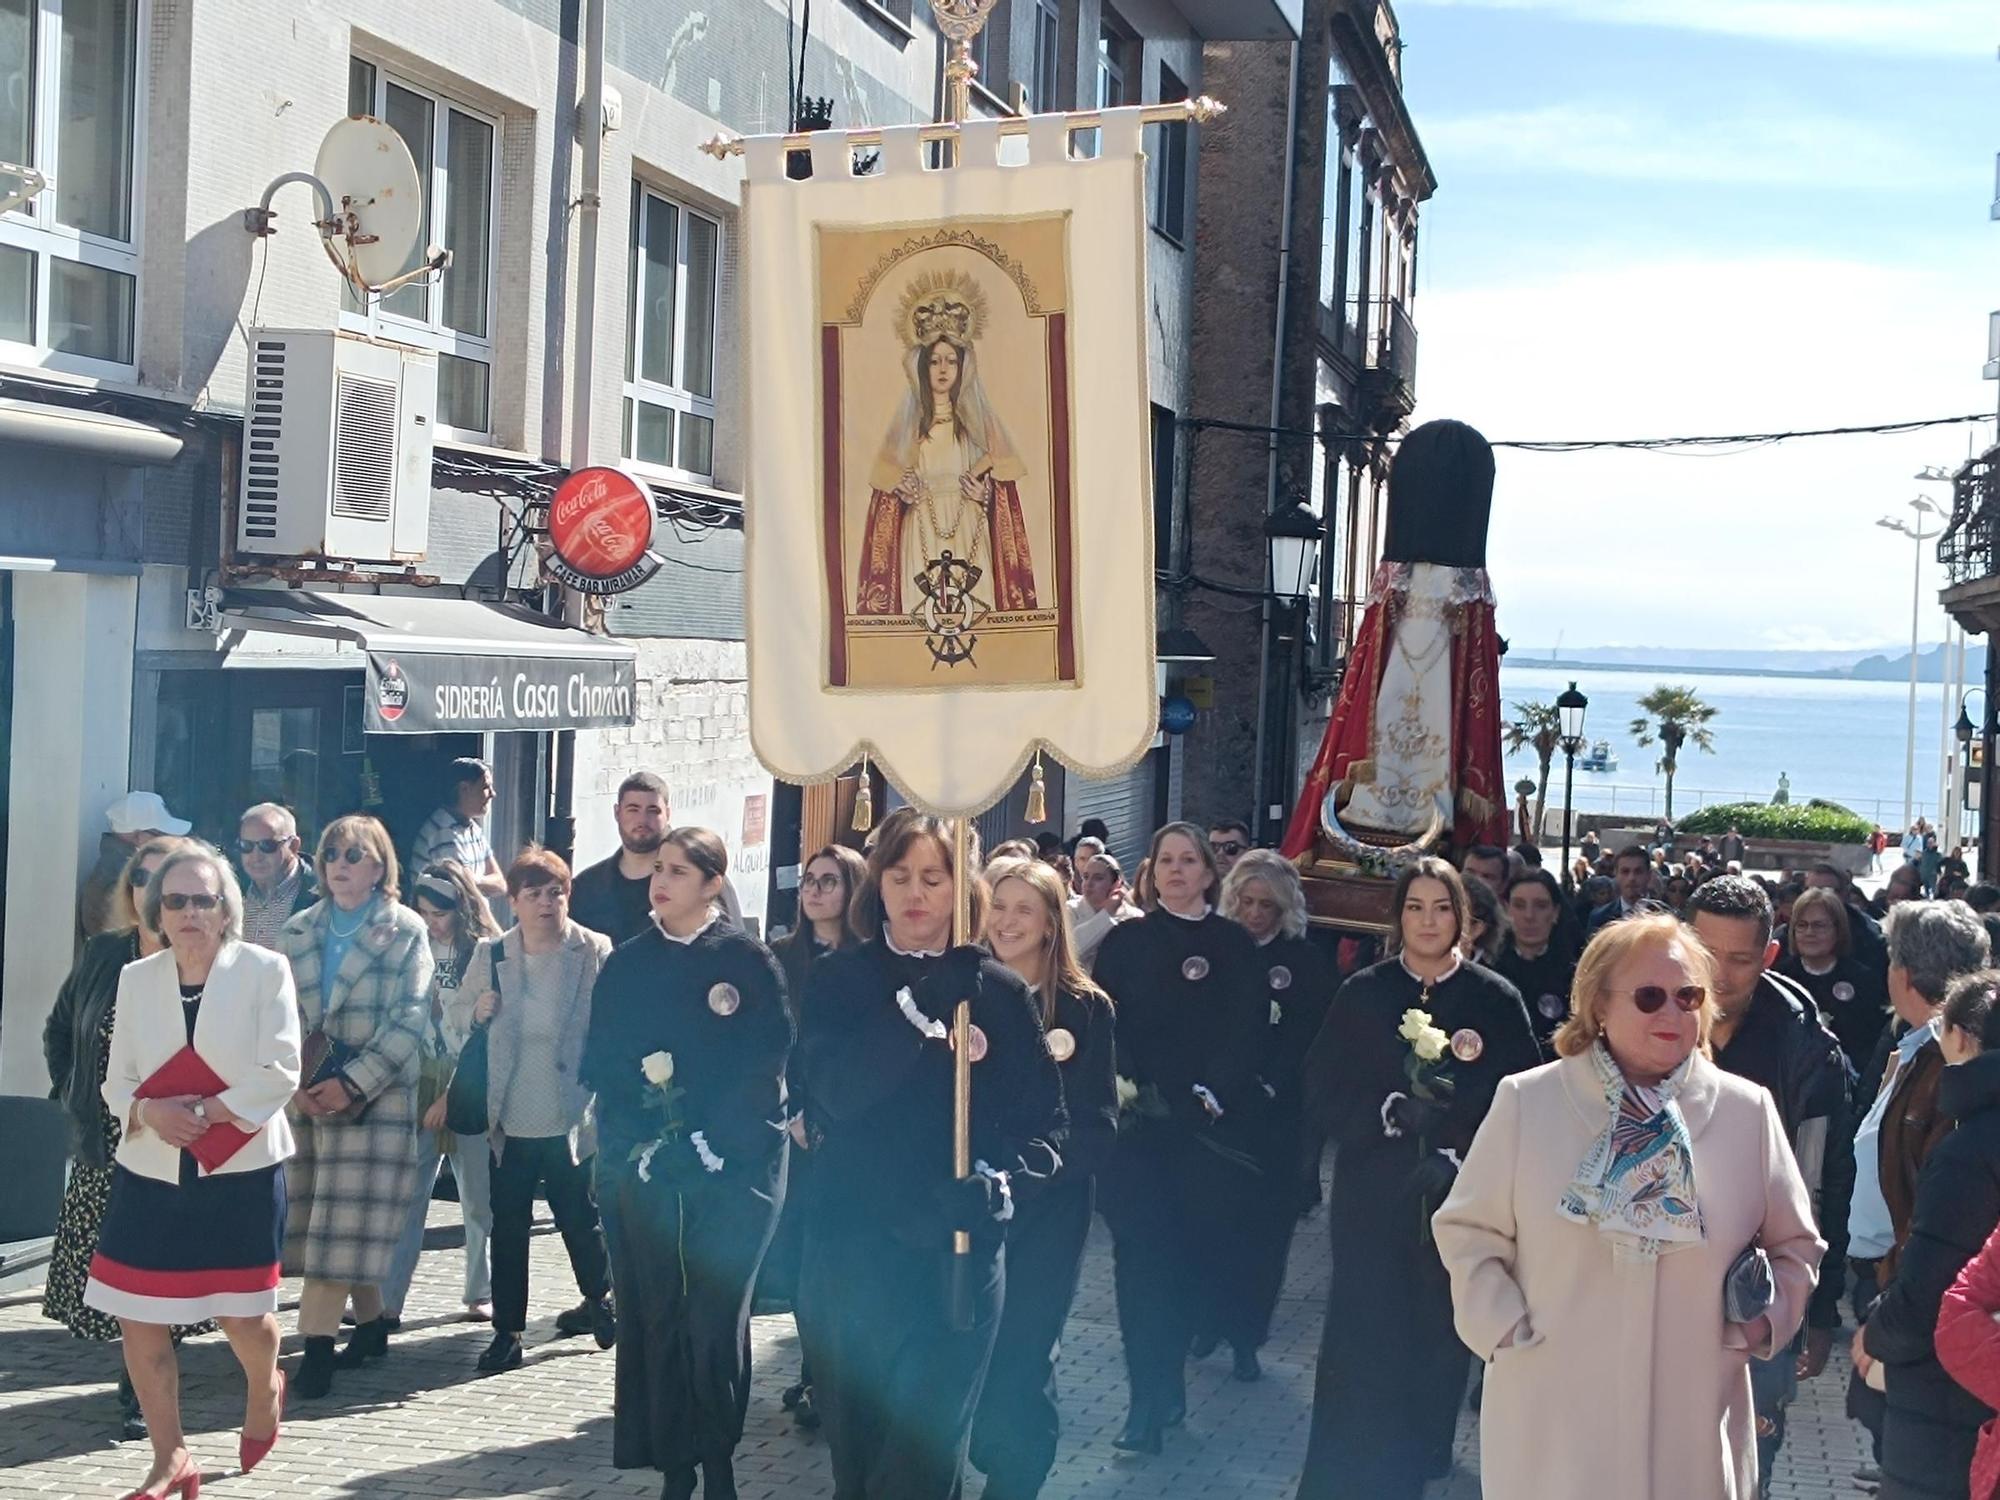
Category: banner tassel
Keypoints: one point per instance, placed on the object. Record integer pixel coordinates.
(864, 801)
(1038, 795)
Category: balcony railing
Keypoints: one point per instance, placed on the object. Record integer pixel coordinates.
(1970, 546)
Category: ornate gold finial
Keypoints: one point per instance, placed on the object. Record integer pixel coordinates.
(960, 21)
(942, 304)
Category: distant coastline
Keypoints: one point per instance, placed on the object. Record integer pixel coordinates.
(1843, 667)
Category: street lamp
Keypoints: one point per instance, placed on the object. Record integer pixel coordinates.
(1916, 533)
(1570, 706)
(1293, 534)
(1965, 731)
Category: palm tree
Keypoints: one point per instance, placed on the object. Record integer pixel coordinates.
(1675, 716)
(1538, 724)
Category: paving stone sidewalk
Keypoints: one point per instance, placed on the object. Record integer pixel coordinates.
(422, 1424)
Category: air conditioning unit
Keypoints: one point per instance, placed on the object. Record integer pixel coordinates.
(337, 440)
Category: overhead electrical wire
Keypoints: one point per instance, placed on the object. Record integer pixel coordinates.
(1740, 440)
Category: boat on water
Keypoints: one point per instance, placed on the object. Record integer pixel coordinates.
(1601, 758)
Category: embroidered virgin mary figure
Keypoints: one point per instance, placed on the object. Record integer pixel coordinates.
(947, 480)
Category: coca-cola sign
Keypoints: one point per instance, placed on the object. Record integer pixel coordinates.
(601, 532)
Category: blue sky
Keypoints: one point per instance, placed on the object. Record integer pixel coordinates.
(1670, 216)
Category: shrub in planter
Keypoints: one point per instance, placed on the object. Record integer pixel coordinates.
(1814, 822)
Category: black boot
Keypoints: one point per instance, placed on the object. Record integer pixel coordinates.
(133, 1427)
(603, 1322)
(1202, 1345)
(369, 1340)
(718, 1479)
(315, 1373)
(504, 1353)
(1141, 1434)
(1247, 1366)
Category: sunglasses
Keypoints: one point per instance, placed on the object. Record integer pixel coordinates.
(821, 883)
(138, 879)
(1651, 998)
(260, 846)
(353, 854)
(181, 901)
(1227, 848)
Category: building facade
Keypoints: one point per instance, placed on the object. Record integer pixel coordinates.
(138, 651)
(1305, 348)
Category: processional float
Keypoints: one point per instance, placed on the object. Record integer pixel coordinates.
(1410, 763)
(948, 512)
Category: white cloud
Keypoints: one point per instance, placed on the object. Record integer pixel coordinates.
(1755, 149)
(1927, 27)
(1772, 545)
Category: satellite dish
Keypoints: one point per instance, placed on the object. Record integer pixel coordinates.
(378, 200)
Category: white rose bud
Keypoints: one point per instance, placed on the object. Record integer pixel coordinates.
(658, 1068)
(1127, 1091)
(1430, 1044)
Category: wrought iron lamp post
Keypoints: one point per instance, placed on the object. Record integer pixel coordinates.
(1570, 707)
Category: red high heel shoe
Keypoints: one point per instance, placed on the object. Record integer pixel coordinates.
(185, 1483)
(250, 1451)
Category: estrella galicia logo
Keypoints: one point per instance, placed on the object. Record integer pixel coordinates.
(392, 692)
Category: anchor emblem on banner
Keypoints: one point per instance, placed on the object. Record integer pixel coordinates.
(950, 611)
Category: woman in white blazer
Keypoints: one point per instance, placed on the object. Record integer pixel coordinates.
(193, 1232)
(1589, 1251)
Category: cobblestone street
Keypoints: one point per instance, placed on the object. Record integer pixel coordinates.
(422, 1424)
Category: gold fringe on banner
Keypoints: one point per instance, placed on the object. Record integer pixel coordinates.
(864, 801)
(1038, 795)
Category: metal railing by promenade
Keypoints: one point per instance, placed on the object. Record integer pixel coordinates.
(1596, 795)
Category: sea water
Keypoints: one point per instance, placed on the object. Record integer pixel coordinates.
(1834, 738)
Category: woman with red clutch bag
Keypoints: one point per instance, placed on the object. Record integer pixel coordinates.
(204, 1056)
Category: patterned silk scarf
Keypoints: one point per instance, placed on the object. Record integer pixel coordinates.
(1636, 1183)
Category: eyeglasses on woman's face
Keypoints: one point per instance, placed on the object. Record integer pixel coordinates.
(139, 877)
(1651, 998)
(1812, 924)
(182, 900)
(820, 884)
(353, 854)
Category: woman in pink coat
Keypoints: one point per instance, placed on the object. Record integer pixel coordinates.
(1591, 1232)
(1968, 1346)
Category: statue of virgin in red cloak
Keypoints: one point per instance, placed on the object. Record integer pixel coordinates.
(946, 479)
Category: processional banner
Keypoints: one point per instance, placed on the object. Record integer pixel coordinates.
(948, 506)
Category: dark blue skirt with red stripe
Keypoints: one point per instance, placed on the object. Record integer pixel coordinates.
(204, 1247)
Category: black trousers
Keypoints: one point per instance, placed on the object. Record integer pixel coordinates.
(1177, 1213)
(1019, 1421)
(686, 1261)
(895, 1384)
(524, 1165)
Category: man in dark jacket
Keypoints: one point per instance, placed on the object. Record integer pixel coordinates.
(1769, 1031)
(1633, 871)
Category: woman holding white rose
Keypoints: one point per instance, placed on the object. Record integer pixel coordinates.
(687, 1045)
(1604, 1243)
(1400, 1078)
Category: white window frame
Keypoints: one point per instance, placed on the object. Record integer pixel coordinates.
(33, 226)
(683, 402)
(432, 332)
(1043, 90)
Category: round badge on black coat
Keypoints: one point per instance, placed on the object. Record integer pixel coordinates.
(1281, 977)
(1843, 992)
(1552, 1007)
(976, 1045)
(1467, 1045)
(724, 1000)
(1195, 967)
(1062, 1045)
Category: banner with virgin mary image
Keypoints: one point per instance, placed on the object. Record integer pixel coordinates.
(948, 497)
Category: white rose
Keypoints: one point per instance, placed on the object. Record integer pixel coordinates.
(1430, 1043)
(1127, 1091)
(658, 1068)
(1414, 1022)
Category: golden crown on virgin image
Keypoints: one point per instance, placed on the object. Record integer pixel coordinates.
(942, 304)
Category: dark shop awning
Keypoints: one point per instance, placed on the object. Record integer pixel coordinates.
(457, 665)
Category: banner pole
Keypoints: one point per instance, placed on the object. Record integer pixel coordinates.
(961, 21)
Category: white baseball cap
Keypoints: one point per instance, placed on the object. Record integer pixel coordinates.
(143, 812)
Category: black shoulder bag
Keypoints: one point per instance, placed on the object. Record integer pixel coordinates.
(465, 1095)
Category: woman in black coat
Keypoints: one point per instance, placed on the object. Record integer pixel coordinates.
(1019, 1421)
(896, 1377)
(1538, 956)
(686, 1051)
(1263, 895)
(1193, 1018)
(826, 887)
(1931, 1425)
(1392, 1371)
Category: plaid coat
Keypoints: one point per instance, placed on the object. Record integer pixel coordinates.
(350, 1185)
